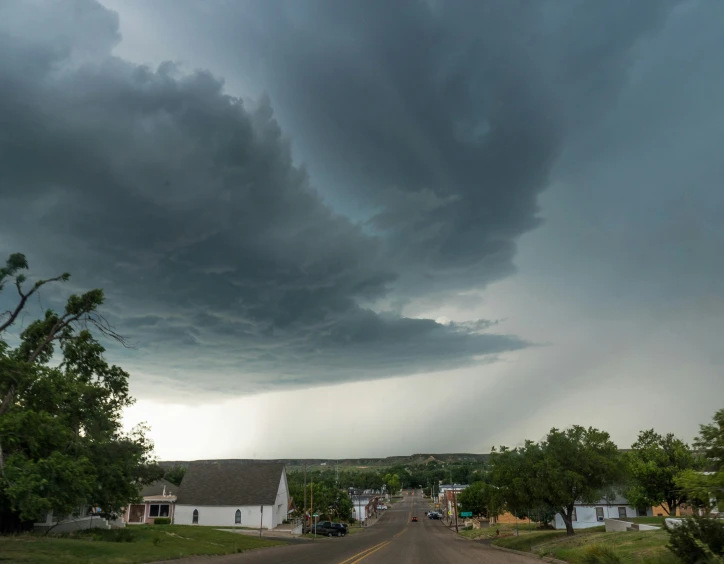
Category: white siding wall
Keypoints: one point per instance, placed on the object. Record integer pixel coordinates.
(360, 503)
(586, 516)
(224, 515)
(282, 501)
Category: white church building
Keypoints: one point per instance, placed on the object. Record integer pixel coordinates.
(228, 493)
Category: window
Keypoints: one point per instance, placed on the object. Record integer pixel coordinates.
(161, 510)
(622, 512)
(599, 513)
(574, 516)
(237, 517)
(195, 520)
(643, 512)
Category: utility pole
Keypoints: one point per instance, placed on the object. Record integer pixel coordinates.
(311, 503)
(305, 491)
(261, 522)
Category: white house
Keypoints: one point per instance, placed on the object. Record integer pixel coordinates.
(594, 515)
(228, 493)
(365, 504)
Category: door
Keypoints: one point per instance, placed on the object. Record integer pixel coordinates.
(136, 513)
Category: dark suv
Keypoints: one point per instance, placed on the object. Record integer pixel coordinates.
(328, 529)
(341, 526)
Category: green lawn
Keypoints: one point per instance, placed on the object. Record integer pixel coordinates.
(633, 548)
(659, 521)
(146, 543)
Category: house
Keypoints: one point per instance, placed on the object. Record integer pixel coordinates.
(587, 515)
(159, 499)
(365, 504)
(227, 493)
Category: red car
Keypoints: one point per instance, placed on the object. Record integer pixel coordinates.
(414, 519)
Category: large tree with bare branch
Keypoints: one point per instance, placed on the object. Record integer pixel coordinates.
(61, 440)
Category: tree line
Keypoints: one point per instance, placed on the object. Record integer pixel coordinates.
(583, 465)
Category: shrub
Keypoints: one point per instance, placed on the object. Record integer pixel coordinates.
(600, 554)
(162, 521)
(698, 539)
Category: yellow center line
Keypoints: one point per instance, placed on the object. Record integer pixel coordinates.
(371, 552)
(365, 550)
(402, 532)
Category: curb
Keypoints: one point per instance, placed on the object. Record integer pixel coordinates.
(521, 553)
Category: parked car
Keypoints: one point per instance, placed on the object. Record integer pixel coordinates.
(414, 519)
(329, 529)
(341, 527)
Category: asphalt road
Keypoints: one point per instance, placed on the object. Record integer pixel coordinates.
(395, 539)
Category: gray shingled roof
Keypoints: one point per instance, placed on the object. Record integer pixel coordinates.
(156, 488)
(230, 482)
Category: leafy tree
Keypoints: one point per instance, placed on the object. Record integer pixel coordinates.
(653, 464)
(175, 474)
(61, 439)
(330, 501)
(393, 483)
(706, 489)
(698, 540)
(575, 465)
(701, 539)
(480, 498)
(509, 471)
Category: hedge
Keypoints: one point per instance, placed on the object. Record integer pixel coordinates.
(162, 521)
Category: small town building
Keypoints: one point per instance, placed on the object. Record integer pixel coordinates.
(159, 499)
(587, 515)
(364, 504)
(228, 493)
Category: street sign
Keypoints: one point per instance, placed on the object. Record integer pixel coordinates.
(315, 515)
(466, 514)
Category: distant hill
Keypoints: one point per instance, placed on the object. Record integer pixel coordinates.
(360, 463)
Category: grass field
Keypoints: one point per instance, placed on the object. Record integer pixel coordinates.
(632, 547)
(143, 543)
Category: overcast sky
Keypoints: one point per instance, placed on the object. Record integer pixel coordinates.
(424, 226)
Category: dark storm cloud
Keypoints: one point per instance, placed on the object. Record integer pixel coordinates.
(218, 256)
(442, 118)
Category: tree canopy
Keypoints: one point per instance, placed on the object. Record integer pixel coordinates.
(480, 498)
(61, 438)
(706, 489)
(654, 464)
(574, 465)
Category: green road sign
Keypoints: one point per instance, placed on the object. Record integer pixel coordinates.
(466, 514)
(315, 515)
